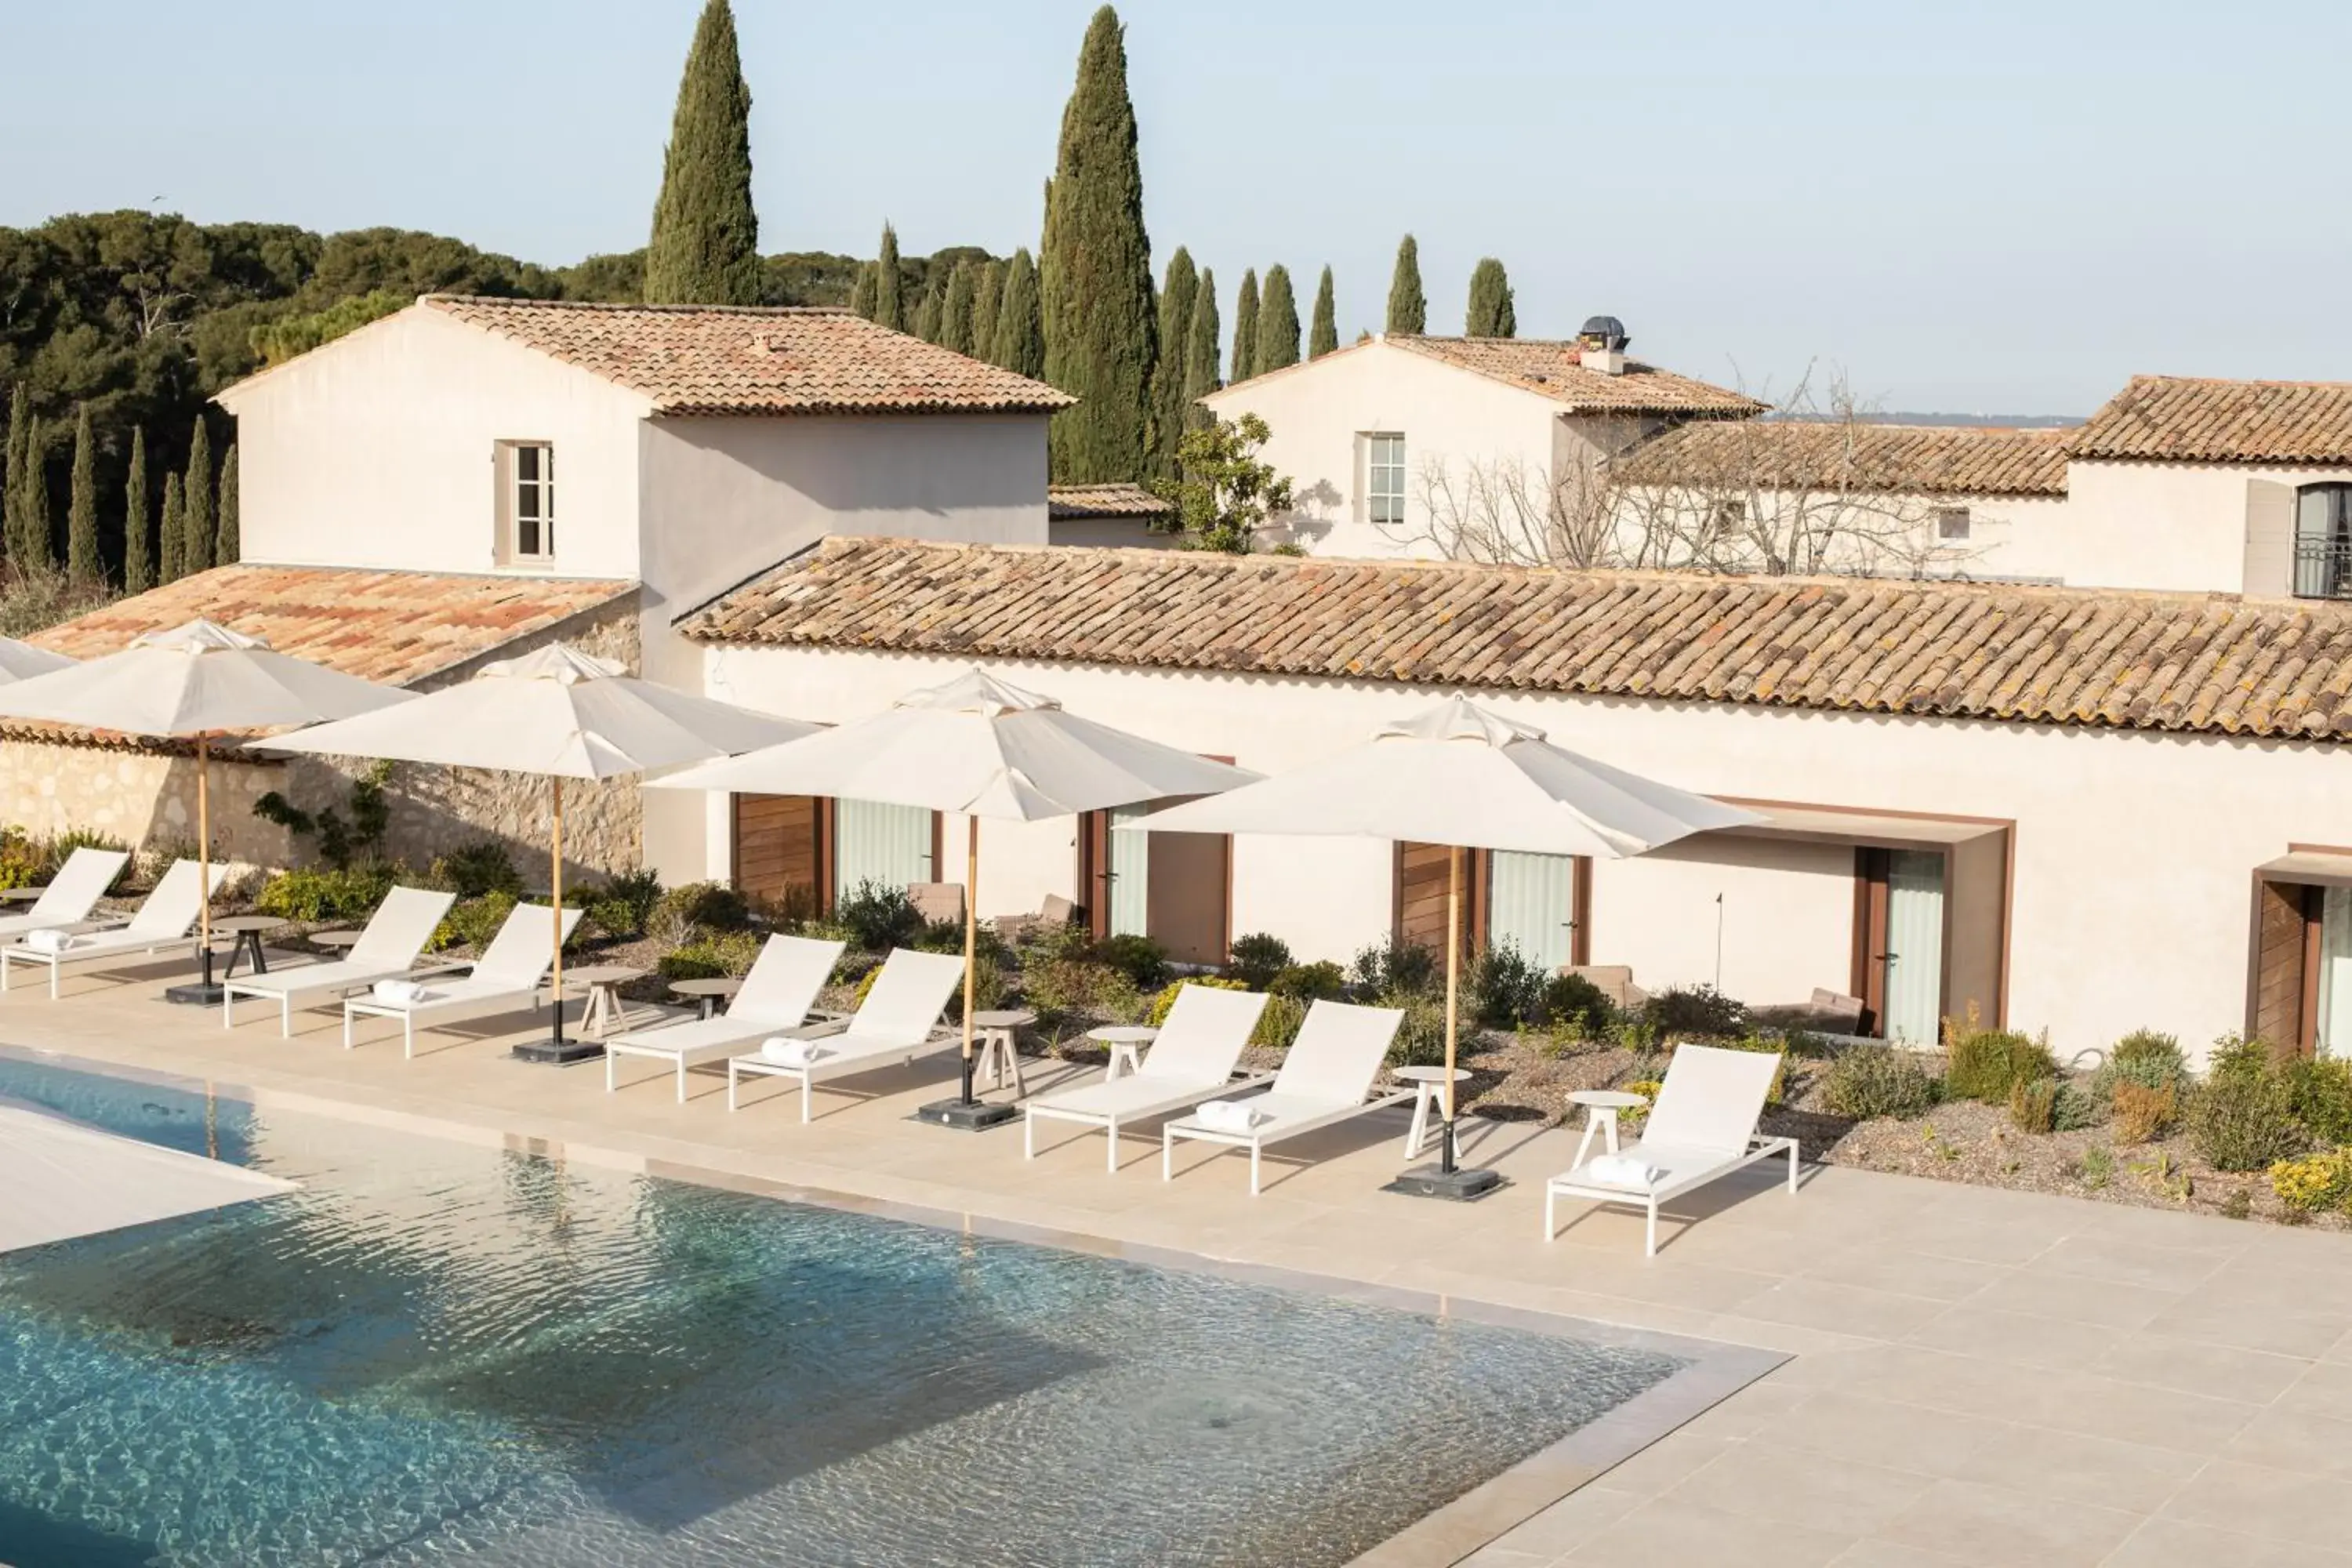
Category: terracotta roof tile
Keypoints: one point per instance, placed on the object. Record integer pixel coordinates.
(698, 359)
(1553, 369)
(1983, 651)
(1068, 502)
(1871, 459)
(2190, 419)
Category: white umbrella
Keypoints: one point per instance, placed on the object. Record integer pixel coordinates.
(561, 713)
(983, 747)
(194, 682)
(22, 661)
(1461, 775)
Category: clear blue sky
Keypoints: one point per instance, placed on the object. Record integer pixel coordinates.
(1991, 207)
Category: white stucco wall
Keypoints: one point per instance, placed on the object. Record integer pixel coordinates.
(2181, 526)
(377, 451)
(2134, 853)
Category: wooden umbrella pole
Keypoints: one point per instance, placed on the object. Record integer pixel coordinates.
(555, 885)
(971, 938)
(204, 858)
(1452, 997)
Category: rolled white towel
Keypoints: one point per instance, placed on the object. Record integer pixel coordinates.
(1230, 1115)
(399, 992)
(49, 941)
(1623, 1170)
(790, 1053)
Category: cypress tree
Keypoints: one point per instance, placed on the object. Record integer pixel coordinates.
(12, 481)
(196, 502)
(228, 547)
(705, 241)
(1019, 326)
(1278, 324)
(1490, 314)
(32, 547)
(174, 530)
(1245, 329)
(1176, 297)
(1201, 351)
(138, 546)
(987, 292)
(1326, 334)
(1408, 307)
(861, 293)
(889, 294)
(81, 507)
(931, 311)
(955, 316)
(1095, 274)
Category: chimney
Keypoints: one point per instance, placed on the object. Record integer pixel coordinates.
(1601, 345)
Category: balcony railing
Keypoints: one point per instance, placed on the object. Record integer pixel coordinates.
(2322, 569)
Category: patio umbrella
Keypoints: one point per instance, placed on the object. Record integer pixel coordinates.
(1461, 776)
(193, 683)
(561, 713)
(985, 748)
(22, 661)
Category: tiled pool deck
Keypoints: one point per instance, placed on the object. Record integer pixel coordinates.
(1973, 1376)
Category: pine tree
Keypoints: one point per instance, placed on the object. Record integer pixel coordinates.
(889, 292)
(987, 293)
(1095, 274)
(861, 293)
(1278, 324)
(1408, 306)
(931, 311)
(1176, 297)
(229, 547)
(33, 549)
(196, 500)
(81, 507)
(705, 241)
(1019, 326)
(1245, 329)
(173, 530)
(1201, 351)
(955, 316)
(1490, 314)
(138, 546)
(1326, 334)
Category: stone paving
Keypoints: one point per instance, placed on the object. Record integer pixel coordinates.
(1974, 1376)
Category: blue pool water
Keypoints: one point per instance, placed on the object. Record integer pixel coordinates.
(444, 1352)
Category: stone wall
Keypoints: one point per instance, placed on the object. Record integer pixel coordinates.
(146, 798)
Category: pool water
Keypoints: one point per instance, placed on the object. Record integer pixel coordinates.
(438, 1351)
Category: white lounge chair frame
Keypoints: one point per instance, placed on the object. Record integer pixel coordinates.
(1192, 1059)
(1702, 1128)
(510, 974)
(163, 919)
(779, 994)
(388, 949)
(898, 1023)
(65, 904)
(1326, 1076)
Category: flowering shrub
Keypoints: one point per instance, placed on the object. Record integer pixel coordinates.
(2314, 1182)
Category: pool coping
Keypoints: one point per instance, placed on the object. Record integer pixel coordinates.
(1482, 1517)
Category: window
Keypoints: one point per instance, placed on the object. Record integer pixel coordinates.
(1384, 479)
(2323, 542)
(527, 501)
(1951, 524)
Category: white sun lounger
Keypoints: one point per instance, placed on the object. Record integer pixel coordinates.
(65, 904)
(1192, 1059)
(165, 920)
(897, 1022)
(1702, 1127)
(779, 994)
(387, 950)
(506, 977)
(1325, 1078)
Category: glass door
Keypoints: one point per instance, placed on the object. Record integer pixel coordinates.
(2332, 1031)
(1915, 945)
(1130, 873)
(886, 845)
(1531, 904)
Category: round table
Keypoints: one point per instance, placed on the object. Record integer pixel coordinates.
(1126, 1042)
(245, 937)
(1600, 1108)
(708, 994)
(341, 941)
(1429, 1094)
(991, 1037)
(602, 982)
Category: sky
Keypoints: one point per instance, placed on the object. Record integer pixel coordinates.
(1991, 207)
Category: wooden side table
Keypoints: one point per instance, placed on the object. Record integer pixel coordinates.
(991, 1039)
(602, 982)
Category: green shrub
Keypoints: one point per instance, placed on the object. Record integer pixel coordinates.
(2078, 1106)
(2240, 1119)
(1574, 1002)
(325, 894)
(2034, 1104)
(21, 863)
(1157, 1012)
(1143, 961)
(1395, 968)
(2319, 1089)
(615, 918)
(1066, 990)
(472, 922)
(1322, 981)
(1278, 1024)
(1699, 1011)
(676, 914)
(1257, 958)
(1867, 1081)
(1987, 1064)
(1504, 988)
(476, 870)
(713, 955)
(1421, 1037)
(878, 917)
(624, 903)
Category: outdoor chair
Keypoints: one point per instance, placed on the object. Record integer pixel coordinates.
(897, 1022)
(65, 904)
(507, 976)
(163, 919)
(1325, 1078)
(1193, 1058)
(388, 948)
(779, 994)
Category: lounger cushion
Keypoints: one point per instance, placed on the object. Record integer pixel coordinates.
(1134, 1095)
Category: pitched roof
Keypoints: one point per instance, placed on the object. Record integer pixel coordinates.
(1554, 370)
(1065, 503)
(1876, 459)
(2191, 419)
(705, 359)
(2134, 661)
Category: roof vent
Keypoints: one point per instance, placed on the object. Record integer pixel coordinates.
(1601, 345)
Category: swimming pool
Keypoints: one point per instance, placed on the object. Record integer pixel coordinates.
(439, 1350)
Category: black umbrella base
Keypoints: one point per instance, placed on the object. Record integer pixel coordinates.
(559, 1053)
(1461, 1186)
(967, 1116)
(194, 994)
